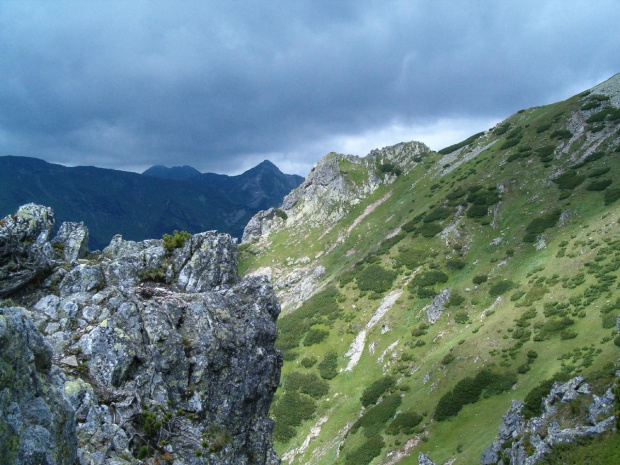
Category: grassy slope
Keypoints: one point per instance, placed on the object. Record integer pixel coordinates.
(590, 232)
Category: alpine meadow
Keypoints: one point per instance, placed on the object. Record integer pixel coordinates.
(424, 292)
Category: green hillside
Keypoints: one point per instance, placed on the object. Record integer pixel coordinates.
(515, 233)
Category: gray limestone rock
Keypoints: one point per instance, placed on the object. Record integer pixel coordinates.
(72, 238)
(526, 443)
(424, 460)
(437, 306)
(161, 354)
(36, 421)
(258, 225)
(25, 253)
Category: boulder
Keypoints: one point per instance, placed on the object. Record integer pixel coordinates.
(72, 241)
(25, 253)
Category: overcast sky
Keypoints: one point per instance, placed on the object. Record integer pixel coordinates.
(224, 85)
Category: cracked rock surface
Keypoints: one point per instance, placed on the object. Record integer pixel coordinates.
(160, 355)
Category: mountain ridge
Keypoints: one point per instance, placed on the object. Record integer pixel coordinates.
(138, 206)
(477, 259)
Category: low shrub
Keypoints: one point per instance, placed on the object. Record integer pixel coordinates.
(315, 336)
(455, 147)
(321, 307)
(378, 415)
(364, 454)
(542, 128)
(456, 299)
(291, 409)
(375, 390)
(308, 362)
(501, 288)
(480, 278)
(176, 240)
(510, 143)
(429, 230)
(437, 214)
(405, 423)
(533, 400)
(569, 180)
(461, 317)
(611, 195)
(498, 131)
(328, 368)
(454, 264)
(375, 278)
(307, 383)
(410, 257)
(469, 390)
(599, 185)
(539, 225)
(281, 214)
(561, 134)
(390, 168)
(428, 278)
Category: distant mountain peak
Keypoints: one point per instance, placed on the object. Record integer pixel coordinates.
(176, 173)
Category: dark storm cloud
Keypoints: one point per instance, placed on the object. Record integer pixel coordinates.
(221, 85)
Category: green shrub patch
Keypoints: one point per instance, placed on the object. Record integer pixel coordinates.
(321, 307)
(307, 383)
(364, 454)
(410, 257)
(372, 393)
(611, 195)
(405, 423)
(315, 336)
(378, 415)
(599, 185)
(561, 134)
(328, 368)
(569, 180)
(501, 288)
(469, 390)
(455, 147)
(375, 278)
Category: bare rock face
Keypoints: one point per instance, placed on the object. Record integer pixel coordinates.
(164, 355)
(331, 189)
(37, 425)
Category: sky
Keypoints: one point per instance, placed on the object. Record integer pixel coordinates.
(224, 85)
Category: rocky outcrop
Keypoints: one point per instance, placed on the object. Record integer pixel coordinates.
(163, 354)
(424, 460)
(36, 420)
(72, 241)
(25, 251)
(335, 184)
(526, 442)
(435, 309)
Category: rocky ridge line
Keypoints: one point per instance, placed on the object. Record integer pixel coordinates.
(136, 354)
